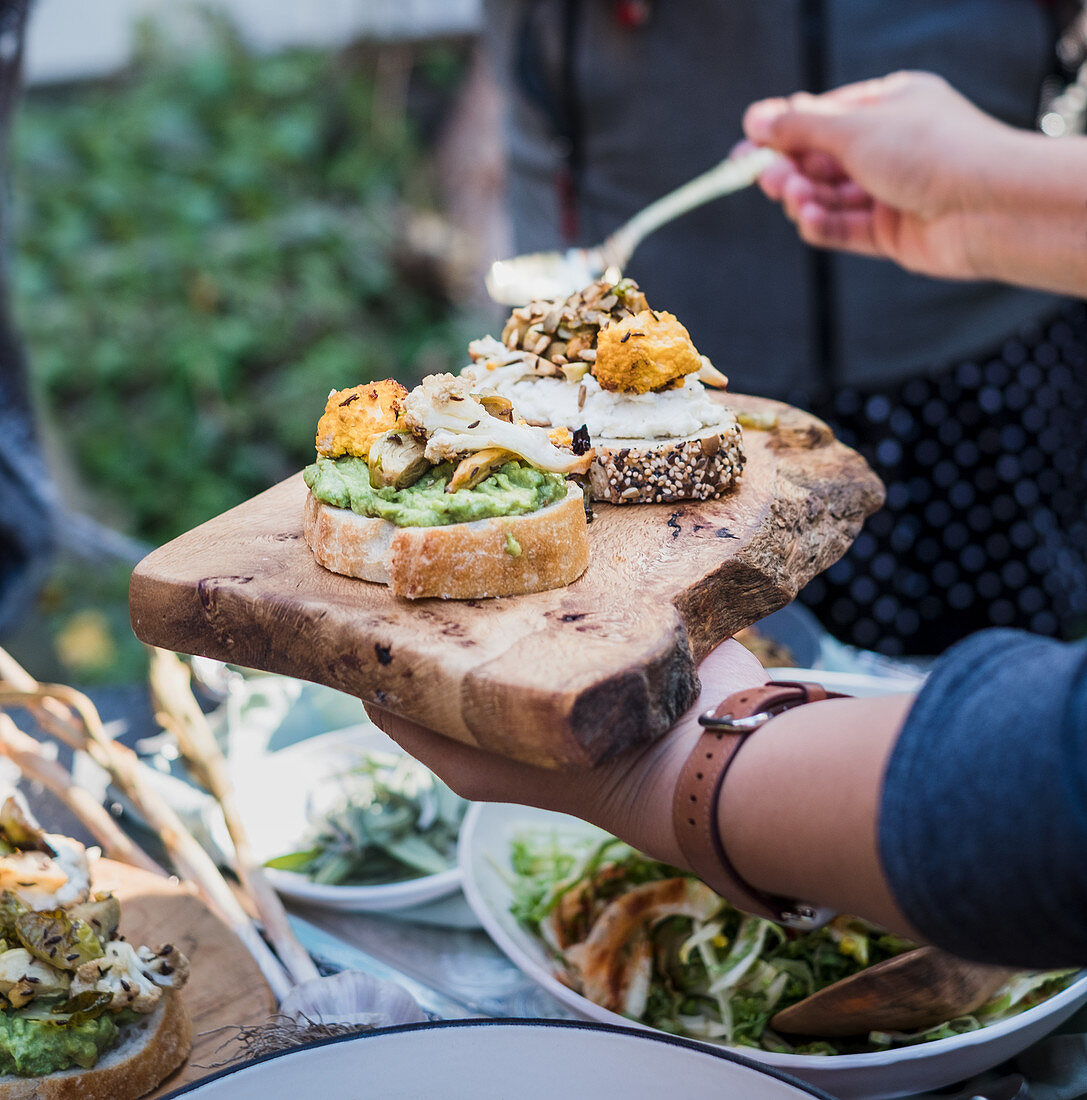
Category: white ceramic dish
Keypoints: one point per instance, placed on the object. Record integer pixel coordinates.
(484, 861)
(484, 851)
(492, 1059)
(276, 794)
(850, 683)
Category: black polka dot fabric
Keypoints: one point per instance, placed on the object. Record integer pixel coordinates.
(986, 516)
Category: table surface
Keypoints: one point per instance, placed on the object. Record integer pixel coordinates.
(459, 969)
(461, 964)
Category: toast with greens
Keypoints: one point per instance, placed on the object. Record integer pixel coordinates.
(443, 492)
(83, 1013)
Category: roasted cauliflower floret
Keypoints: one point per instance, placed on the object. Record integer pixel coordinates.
(23, 977)
(354, 418)
(646, 352)
(120, 972)
(455, 423)
(166, 966)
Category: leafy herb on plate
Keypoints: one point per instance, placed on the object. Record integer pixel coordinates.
(653, 943)
(391, 820)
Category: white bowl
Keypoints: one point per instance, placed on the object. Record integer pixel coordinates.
(275, 794)
(860, 684)
(484, 860)
(491, 1059)
(484, 854)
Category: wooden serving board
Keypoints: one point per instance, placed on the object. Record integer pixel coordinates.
(225, 987)
(565, 677)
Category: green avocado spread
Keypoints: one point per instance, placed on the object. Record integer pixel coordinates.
(31, 1047)
(512, 490)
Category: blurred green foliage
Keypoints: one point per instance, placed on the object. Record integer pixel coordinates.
(204, 249)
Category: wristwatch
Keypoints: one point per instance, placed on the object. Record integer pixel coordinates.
(694, 804)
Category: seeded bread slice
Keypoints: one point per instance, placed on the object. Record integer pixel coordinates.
(654, 471)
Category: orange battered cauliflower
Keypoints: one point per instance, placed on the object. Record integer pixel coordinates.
(649, 351)
(354, 418)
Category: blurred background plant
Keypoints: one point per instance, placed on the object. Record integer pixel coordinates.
(209, 245)
(206, 244)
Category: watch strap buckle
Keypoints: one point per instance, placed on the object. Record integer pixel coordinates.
(694, 805)
(729, 723)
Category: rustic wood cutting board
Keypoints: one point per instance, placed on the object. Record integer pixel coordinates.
(565, 677)
(225, 987)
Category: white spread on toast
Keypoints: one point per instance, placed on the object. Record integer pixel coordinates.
(607, 414)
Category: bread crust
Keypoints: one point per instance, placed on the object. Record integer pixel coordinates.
(459, 561)
(149, 1050)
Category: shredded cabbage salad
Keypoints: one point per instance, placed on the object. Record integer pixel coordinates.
(652, 943)
(388, 819)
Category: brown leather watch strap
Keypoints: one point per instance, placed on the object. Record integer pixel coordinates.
(694, 805)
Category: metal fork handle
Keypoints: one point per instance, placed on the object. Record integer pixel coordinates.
(732, 174)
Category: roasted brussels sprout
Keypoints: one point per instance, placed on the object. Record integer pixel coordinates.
(103, 914)
(58, 939)
(397, 459)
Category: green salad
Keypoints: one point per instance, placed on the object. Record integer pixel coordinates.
(656, 945)
(391, 819)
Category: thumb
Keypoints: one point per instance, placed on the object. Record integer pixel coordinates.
(800, 124)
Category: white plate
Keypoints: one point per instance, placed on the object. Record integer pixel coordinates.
(483, 854)
(492, 1059)
(275, 796)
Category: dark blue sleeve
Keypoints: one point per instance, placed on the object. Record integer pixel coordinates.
(983, 822)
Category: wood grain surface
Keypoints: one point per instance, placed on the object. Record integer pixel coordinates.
(565, 677)
(225, 987)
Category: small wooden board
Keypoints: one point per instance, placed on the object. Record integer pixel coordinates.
(556, 678)
(225, 987)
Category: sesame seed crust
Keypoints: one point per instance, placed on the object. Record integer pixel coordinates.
(652, 471)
